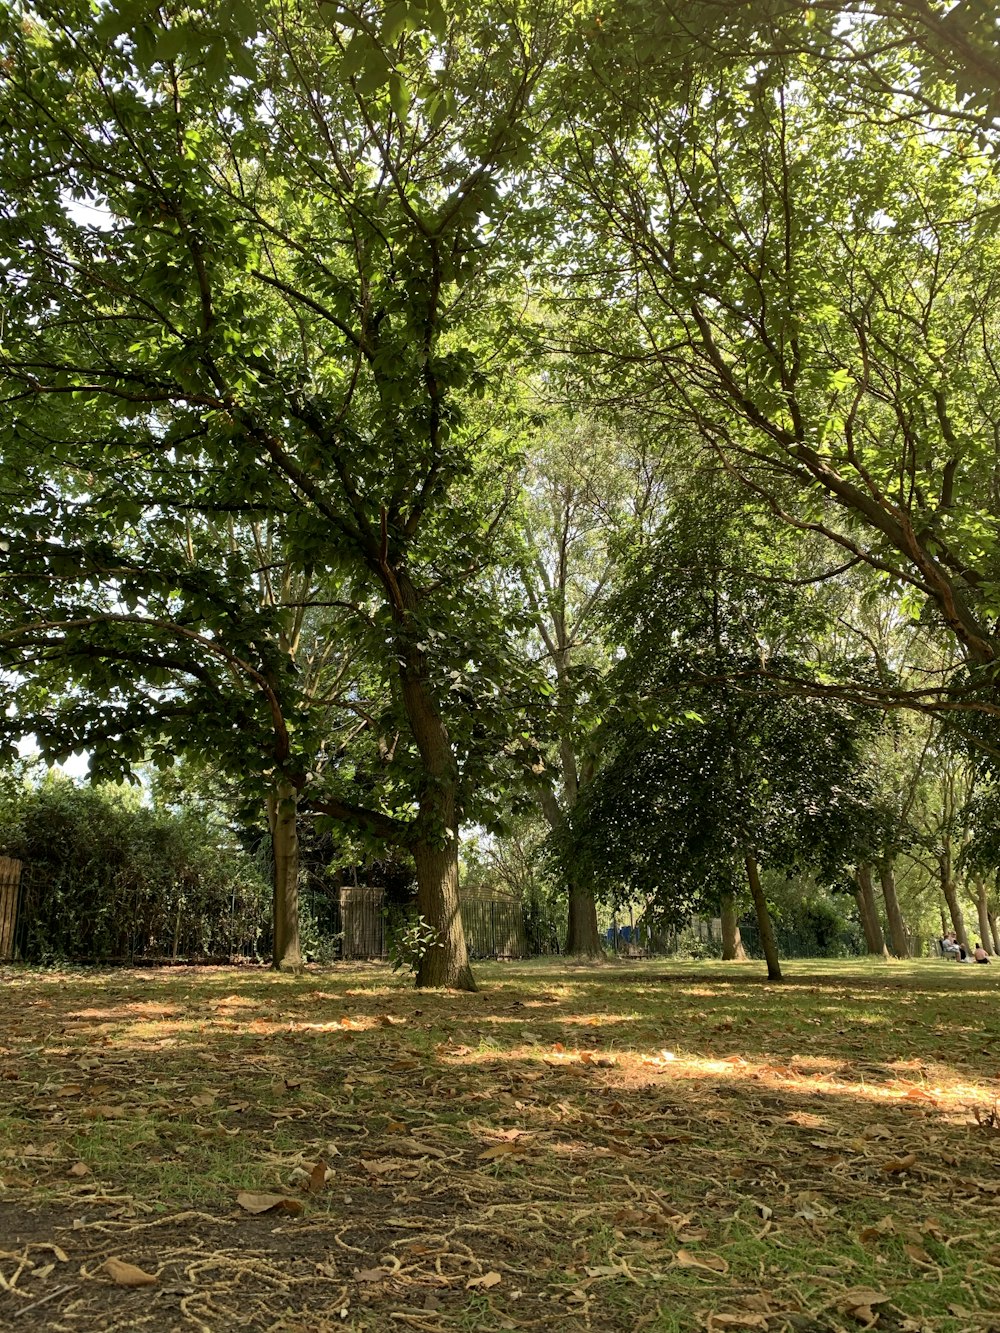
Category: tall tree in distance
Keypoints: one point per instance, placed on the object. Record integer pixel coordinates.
(713, 771)
(588, 489)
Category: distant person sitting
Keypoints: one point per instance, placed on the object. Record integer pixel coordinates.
(980, 954)
(951, 948)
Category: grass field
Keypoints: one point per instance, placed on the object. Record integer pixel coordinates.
(645, 1146)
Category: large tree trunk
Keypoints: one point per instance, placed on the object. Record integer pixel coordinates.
(864, 895)
(732, 944)
(995, 933)
(435, 851)
(763, 918)
(282, 817)
(950, 891)
(897, 926)
(983, 912)
(583, 937)
(446, 962)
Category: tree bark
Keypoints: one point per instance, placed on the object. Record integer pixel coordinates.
(864, 895)
(435, 848)
(282, 817)
(950, 891)
(995, 933)
(583, 937)
(897, 926)
(732, 944)
(983, 912)
(767, 941)
(446, 962)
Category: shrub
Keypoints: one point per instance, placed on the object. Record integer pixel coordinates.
(108, 878)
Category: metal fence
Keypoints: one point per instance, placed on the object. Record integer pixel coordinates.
(112, 918)
(359, 922)
(796, 944)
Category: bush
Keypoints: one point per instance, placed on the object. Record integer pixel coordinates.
(108, 878)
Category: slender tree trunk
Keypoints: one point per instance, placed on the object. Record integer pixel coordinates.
(864, 895)
(763, 918)
(732, 944)
(583, 937)
(995, 933)
(983, 912)
(282, 817)
(950, 891)
(177, 929)
(897, 926)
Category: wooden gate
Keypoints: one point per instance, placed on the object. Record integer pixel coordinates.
(362, 923)
(10, 884)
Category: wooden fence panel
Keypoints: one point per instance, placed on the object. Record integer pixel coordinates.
(362, 923)
(10, 887)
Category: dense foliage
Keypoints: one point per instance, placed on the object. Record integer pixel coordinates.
(109, 878)
(412, 413)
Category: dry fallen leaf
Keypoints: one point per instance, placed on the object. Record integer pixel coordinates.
(267, 1203)
(505, 1149)
(487, 1280)
(79, 1169)
(371, 1274)
(126, 1275)
(900, 1164)
(317, 1177)
(857, 1297)
(600, 1061)
(713, 1262)
(918, 1254)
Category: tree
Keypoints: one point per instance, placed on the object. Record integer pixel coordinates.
(279, 238)
(132, 645)
(712, 773)
(804, 270)
(589, 487)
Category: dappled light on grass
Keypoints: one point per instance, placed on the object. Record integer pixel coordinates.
(610, 1146)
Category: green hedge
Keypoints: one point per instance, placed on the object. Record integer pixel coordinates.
(107, 878)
